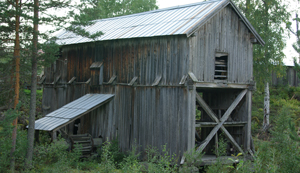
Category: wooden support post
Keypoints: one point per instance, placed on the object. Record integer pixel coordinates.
(249, 100)
(37, 136)
(221, 122)
(53, 136)
(217, 144)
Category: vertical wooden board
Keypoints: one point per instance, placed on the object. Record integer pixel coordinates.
(184, 124)
(142, 62)
(206, 53)
(126, 64)
(168, 59)
(175, 120)
(167, 117)
(191, 49)
(145, 62)
(151, 72)
(142, 119)
(154, 117)
(217, 30)
(131, 74)
(245, 54)
(138, 120)
(138, 61)
(240, 66)
(164, 60)
(155, 57)
(135, 117)
(149, 117)
(201, 54)
(185, 56)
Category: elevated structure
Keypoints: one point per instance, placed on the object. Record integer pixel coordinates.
(174, 73)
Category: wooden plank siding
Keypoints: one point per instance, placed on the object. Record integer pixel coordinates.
(142, 114)
(224, 32)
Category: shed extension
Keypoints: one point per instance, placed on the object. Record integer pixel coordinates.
(71, 111)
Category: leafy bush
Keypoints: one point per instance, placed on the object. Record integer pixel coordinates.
(160, 163)
(54, 157)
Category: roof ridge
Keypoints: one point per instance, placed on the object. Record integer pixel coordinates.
(163, 9)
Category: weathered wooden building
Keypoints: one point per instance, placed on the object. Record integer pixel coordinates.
(289, 78)
(156, 68)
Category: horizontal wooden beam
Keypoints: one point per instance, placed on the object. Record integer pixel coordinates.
(226, 124)
(221, 85)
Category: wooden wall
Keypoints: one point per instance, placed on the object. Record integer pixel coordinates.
(225, 32)
(290, 78)
(142, 114)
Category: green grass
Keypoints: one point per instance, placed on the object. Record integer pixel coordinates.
(38, 92)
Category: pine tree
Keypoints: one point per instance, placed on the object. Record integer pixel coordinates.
(99, 9)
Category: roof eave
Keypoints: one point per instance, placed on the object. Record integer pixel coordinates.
(193, 29)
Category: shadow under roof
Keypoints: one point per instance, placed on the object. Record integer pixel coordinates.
(71, 111)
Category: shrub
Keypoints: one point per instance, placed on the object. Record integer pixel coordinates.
(6, 142)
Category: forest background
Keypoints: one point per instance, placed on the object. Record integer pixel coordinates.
(23, 53)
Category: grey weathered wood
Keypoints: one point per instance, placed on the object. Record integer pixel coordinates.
(133, 80)
(228, 124)
(88, 81)
(101, 75)
(222, 120)
(156, 81)
(183, 79)
(221, 85)
(72, 80)
(249, 101)
(112, 79)
(156, 115)
(96, 65)
(193, 77)
(42, 80)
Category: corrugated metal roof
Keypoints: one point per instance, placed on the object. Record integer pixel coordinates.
(170, 21)
(71, 111)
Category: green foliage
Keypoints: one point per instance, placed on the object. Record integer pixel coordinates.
(54, 157)
(131, 162)
(6, 143)
(114, 152)
(267, 17)
(107, 163)
(217, 167)
(192, 159)
(198, 114)
(222, 146)
(160, 162)
(99, 9)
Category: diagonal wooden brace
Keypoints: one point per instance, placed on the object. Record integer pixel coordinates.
(221, 121)
(214, 117)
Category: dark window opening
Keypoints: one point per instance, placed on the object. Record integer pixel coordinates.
(221, 66)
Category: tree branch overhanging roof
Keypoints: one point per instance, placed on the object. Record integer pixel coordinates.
(180, 20)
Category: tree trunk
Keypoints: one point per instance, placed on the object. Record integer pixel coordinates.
(30, 135)
(17, 84)
(266, 122)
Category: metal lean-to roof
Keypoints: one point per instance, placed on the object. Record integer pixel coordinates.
(71, 111)
(170, 21)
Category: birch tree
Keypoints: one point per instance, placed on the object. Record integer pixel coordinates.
(267, 17)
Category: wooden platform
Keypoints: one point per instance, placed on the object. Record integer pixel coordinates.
(211, 159)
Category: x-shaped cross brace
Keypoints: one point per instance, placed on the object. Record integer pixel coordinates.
(221, 121)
